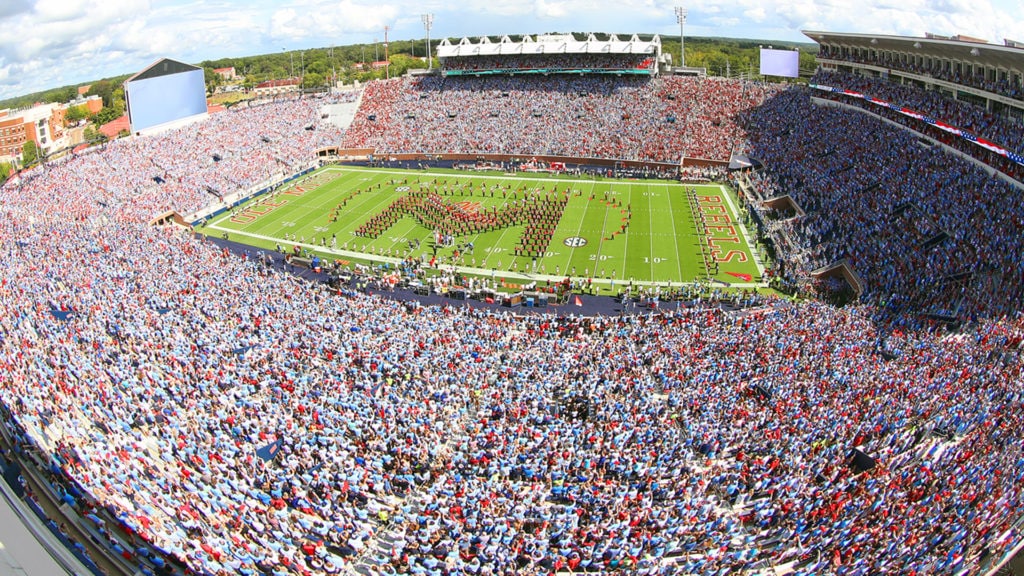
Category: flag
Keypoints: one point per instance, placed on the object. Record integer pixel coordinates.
(944, 126)
(577, 301)
(990, 146)
(912, 113)
(268, 452)
(741, 276)
(948, 128)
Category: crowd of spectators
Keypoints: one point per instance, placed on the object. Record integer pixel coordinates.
(939, 70)
(182, 169)
(925, 230)
(513, 63)
(688, 442)
(1003, 130)
(245, 421)
(626, 118)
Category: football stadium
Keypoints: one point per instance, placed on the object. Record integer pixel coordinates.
(553, 307)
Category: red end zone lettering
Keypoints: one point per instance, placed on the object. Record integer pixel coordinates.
(729, 256)
(723, 228)
(713, 242)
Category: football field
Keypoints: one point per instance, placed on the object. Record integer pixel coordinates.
(521, 226)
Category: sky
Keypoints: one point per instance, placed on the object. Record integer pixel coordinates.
(50, 43)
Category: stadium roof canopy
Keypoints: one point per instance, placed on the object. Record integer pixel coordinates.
(549, 44)
(162, 67)
(976, 51)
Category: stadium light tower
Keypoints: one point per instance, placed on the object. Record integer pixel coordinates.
(387, 60)
(428, 21)
(334, 73)
(291, 60)
(681, 18)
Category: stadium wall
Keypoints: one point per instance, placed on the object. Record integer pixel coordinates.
(608, 162)
(48, 481)
(33, 518)
(242, 197)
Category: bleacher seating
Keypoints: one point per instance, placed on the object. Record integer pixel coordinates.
(244, 421)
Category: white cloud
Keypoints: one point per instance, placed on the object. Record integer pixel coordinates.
(285, 24)
(756, 14)
(325, 19)
(10, 8)
(543, 9)
(59, 42)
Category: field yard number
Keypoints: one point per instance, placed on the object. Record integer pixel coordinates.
(601, 258)
(654, 260)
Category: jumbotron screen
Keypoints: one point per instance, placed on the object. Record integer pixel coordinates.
(780, 63)
(155, 101)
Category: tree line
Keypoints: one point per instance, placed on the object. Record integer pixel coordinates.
(318, 66)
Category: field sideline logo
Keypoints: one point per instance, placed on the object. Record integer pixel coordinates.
(575, 242)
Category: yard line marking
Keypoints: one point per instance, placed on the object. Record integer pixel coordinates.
(675, 236)
(625, 237)
(650, 226)
(579, 229)
(600, 243)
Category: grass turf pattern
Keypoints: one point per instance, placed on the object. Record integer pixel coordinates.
(522, 225)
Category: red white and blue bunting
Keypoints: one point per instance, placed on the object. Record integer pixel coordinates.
(986, 144)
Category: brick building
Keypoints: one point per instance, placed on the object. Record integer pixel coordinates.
(226, 73)
(43, 124)
(277, 87)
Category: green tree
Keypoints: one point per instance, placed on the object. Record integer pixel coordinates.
(29, 153)
(105, 115)
(74, 114)
(316, 67)
(401, 63)
(66, 94)
(313, 80)
(6, 169)
(104, 89)
(117, 100)
(93, 136)
(212, 80)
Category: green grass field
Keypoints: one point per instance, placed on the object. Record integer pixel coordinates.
(621, 230)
